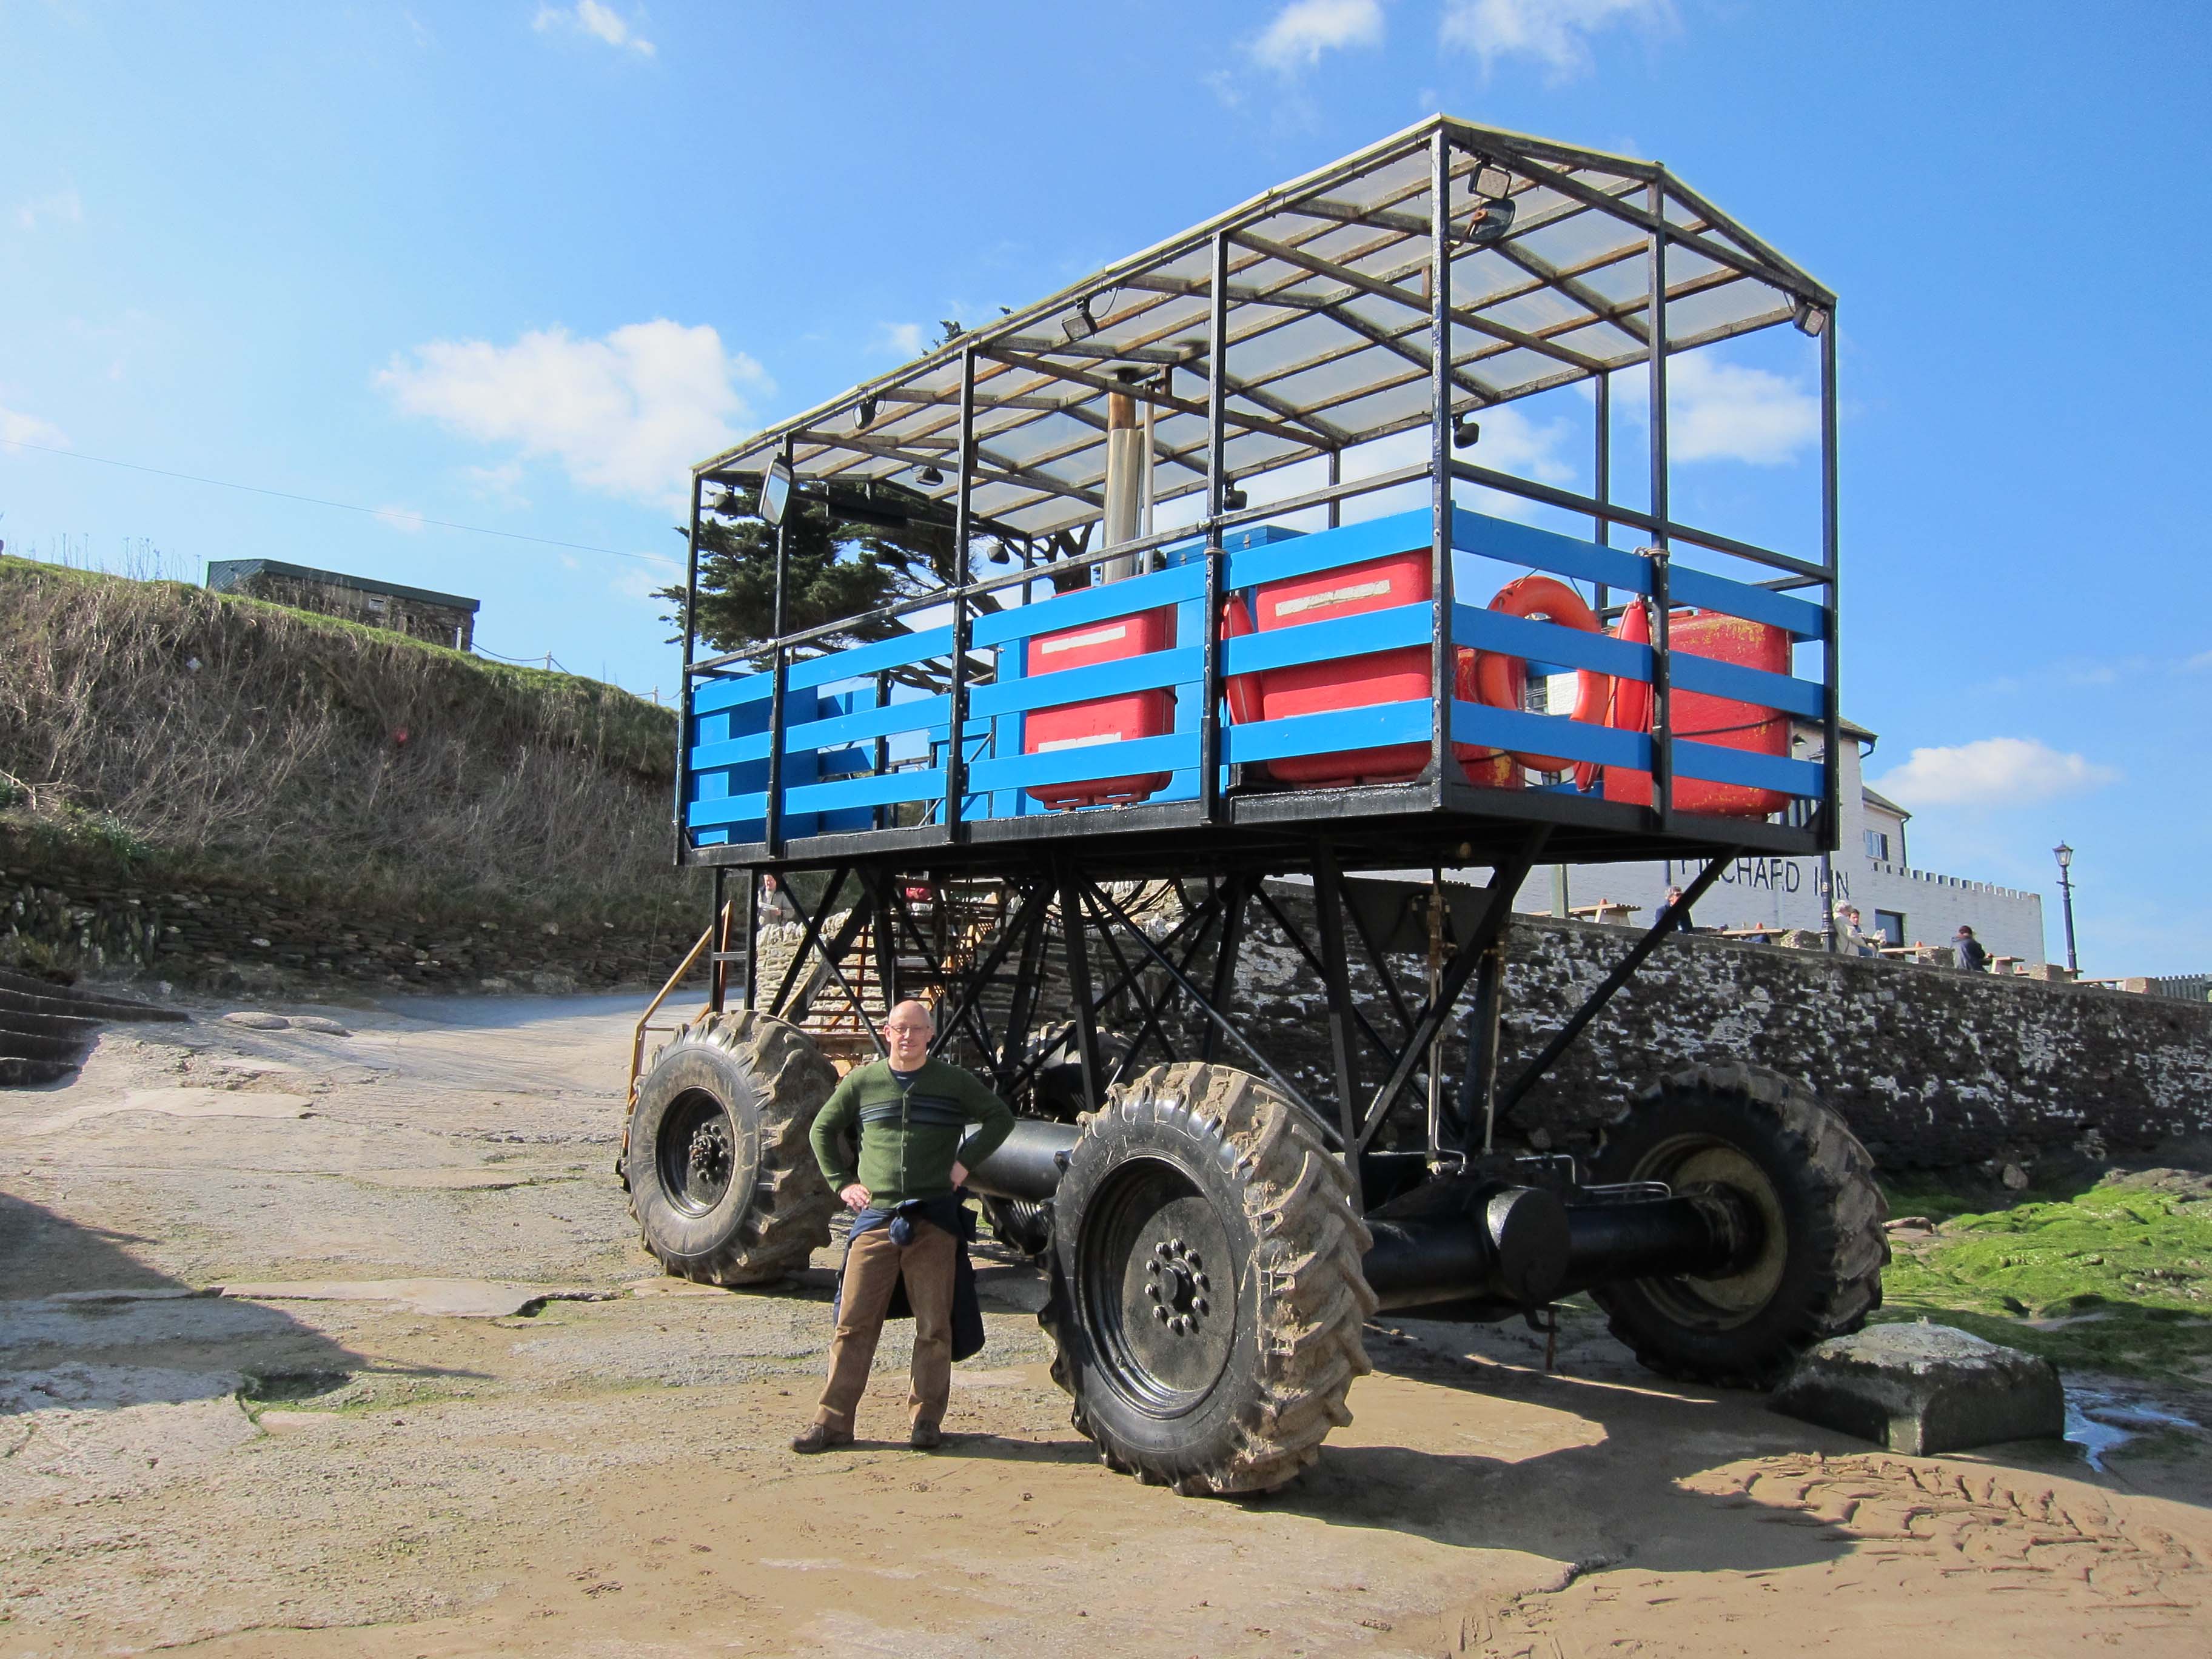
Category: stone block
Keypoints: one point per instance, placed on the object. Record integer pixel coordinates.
(1925, 1389)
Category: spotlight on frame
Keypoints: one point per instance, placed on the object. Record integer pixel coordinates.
(1082, 326)
(866, 416)
(930, 477)
(1494, 206)
(775, 490)
(1811, 319)
(1466, 433)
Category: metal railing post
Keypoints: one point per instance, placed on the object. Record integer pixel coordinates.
(1832, 653)
(1216, 489)
(684, 689)
(772, 813)
(1442, 656)
(956, 761)
(1663, 714)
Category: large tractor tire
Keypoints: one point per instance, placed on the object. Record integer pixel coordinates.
(721, 1180)
(1208, 1299)
(1788, 1162)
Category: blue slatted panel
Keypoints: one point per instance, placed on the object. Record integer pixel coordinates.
(1717, 765)
(1400, 626)
(1751, 686)
(1180, 666)
(1131, 757)
(1090, 604)
(1549, 734)
(868, 723)
(1550, 642)
(1325, 549)
(1375, 726)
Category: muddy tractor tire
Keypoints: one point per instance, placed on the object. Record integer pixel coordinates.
(1789, 1164)
(722, 1179)
(1208, 1299)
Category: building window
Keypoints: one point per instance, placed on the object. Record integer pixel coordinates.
(1890, 924)
(1878, 845)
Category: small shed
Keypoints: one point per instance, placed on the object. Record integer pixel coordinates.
(441, 618)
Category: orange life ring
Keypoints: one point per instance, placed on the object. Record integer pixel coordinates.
(1628, 707)
(1244, 689)
(1502, 681)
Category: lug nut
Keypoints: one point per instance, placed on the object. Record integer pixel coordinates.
(1199, 1306)
(1161, 1251)
(1160, 1313)
(1195, 1264)
(1204, 1283)
(1152, 1266)
(1176, 1246)
(1153, 1292)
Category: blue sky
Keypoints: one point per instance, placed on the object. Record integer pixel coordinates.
(513, 265)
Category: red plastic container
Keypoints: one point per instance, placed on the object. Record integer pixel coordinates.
(1721, 721)
(1378, 677)
(1100, 721)
(1400, 676)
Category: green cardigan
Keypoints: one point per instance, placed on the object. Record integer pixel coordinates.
(909, 1138)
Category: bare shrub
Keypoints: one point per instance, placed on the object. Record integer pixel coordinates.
(223, 734)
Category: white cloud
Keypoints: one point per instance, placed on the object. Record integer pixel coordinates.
(1555, 33)
(900, 340)
(1719, 411)
(592, 18)
(1304, 29)
(1724, 412)
(2198, 664)
(625, 416)
(62, 207)
(20, 428)
(404, 520)
(1992, 772)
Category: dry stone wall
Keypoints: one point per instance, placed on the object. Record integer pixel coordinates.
(1933, 1068)
(241, 935)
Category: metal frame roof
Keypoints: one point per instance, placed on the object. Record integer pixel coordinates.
(1328, 329)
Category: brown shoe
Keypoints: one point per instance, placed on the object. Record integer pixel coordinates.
(926, 1437)
(820, 1437)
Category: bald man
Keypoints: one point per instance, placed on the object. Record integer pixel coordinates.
(910, 1116)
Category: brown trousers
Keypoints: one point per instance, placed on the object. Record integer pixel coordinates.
(873, 1268)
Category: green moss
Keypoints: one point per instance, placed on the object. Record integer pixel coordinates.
(2118, 1279)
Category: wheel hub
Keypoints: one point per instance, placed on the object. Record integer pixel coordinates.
(711, 1156)
(1164, 1332)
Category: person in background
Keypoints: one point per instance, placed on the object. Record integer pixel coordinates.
(1851, 938)
(1681, 921)
(908, 1115)
(1972, 956)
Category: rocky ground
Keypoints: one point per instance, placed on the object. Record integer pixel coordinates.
(338, 1341)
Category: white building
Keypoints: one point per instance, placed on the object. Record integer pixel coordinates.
(1872, 870)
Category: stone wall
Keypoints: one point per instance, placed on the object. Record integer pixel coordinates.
(1933, 1068)
(242, 935)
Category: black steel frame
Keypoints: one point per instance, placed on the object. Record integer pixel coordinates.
(1228, 841)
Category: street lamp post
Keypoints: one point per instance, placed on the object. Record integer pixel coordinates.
(2064, 854)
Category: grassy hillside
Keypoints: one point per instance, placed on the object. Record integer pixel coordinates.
(173, 729)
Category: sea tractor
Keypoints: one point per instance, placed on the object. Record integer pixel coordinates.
(1204, 614)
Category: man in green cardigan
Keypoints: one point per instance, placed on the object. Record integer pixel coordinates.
(911, 1116)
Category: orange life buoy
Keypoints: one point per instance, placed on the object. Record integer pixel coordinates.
(1628, 706)
(1244, 704)
(1502, 681)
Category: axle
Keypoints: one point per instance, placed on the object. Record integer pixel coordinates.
(1466, 1241)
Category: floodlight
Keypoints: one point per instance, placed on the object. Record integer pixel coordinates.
(1811, 319)
(1491, 179)
(866, 417)
(1234, 500)
(1465, 433)
(1082, 326)
(775, 490)
(1489, 222)
(930, 477)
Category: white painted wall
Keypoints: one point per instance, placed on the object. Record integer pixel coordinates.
(1786, 892)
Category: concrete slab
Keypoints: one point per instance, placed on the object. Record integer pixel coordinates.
(254, 1020)
(181, 1103)
(1925, 1389)
(457, 1299)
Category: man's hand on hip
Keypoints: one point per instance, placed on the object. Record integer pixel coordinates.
(959, 1173)
(856, 1196)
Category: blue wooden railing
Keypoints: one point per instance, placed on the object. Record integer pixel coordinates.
(842, 710)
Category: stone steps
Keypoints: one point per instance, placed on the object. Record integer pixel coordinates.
(44, 1028)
